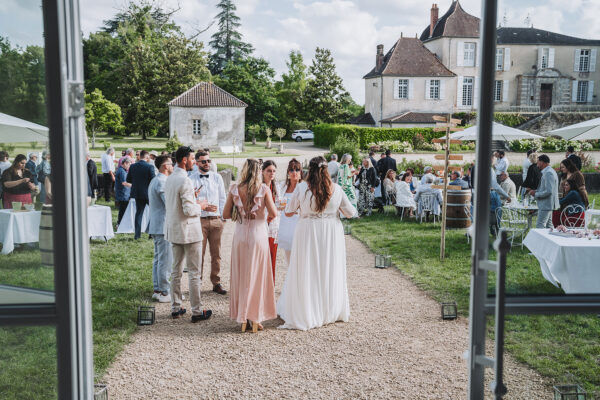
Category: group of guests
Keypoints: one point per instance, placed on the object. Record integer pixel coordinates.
(24, 178)
(553, 193)
(301, 216)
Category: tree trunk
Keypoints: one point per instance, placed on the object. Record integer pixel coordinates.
(93, 138)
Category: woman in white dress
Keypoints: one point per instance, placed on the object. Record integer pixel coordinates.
(404, 197)
(315, 291)
(287, 224)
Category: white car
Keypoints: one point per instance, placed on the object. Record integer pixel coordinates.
(303, 134)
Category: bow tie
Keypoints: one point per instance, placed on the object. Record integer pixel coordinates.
(204, 176)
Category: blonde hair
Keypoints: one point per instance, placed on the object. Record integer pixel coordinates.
(533, 158)
(369, 163)
(251, 179)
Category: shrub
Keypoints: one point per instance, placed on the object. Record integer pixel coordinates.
(418, 141)
(173, 144)
(394, 146)
(344, 145)
(417, 165)
(326, 134)
(33, 144)
(431, 147)
(510, 119)
(9, 148)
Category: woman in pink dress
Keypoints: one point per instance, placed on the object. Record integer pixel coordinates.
(252, 292)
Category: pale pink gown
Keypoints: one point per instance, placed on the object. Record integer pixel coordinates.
(252, 293)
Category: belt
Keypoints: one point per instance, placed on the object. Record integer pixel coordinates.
(319, 216)
(211, 217)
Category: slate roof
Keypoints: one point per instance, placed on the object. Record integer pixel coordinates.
(409, 57)
(412, 118)
(538, 36)
(364, 119)
(206, 94)
(455, 23)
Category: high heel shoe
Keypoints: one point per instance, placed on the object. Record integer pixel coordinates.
(254, 326)
(244, 327)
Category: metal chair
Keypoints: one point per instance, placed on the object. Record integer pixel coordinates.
(513, 221)
(427, 203)
(591, 206)
(573, 216)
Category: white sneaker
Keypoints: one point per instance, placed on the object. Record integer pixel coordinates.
(155, 296)
(164, 298)
(182, 297)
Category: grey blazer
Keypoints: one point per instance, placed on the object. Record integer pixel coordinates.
(547, 193)
(156, 198)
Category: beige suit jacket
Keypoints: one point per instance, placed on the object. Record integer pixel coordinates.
(182, 219)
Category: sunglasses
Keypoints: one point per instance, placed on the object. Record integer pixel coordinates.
(294, 170)
(204, 161)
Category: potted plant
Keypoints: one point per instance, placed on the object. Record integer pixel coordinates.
(280, 132)
(269, 133)
(253, 130)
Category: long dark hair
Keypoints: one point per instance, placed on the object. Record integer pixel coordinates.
(15, 165)
(569, 165)
(292, 164)
(319, 182)
(572, 185)
(272, 186)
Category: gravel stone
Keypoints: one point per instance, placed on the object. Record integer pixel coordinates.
(395, 346)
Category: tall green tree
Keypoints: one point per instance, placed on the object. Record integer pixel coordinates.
(227, 40)
(326, 97)
(141, 61)
(290, 93)
(22, 82)
(252, 81)
(101, 115)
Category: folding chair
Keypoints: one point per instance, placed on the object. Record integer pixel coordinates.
(427, 202)
(513, 221)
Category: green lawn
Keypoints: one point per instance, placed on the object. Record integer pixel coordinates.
(554, 345)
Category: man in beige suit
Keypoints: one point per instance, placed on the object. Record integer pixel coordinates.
(184, 231)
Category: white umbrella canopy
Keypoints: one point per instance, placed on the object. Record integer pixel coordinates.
(586, 130)
(16, 130)
(499, 132)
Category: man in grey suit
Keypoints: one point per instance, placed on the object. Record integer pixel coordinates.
(163, 256)
(184, 231)
(546, 194)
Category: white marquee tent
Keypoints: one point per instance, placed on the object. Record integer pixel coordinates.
(16, 130)
(586, 130)
(499, 132)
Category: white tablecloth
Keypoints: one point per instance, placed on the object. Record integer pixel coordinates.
(100, 222)
(574, 263)
(18, 227)
(127, 224)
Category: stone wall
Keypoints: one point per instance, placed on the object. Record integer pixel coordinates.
(554, 120)
(219, 126)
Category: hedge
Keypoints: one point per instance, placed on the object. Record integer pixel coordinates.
(326, 134)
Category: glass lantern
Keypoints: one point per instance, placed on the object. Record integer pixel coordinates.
(100, 392)
(569, 392)
(145, 315)
(449, 310)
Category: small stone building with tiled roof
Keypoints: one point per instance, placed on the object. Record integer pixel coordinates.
(207, 116)
(439, 72)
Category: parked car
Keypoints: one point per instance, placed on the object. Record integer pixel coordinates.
(303, 134)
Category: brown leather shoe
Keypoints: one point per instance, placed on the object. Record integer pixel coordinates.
(219, 289)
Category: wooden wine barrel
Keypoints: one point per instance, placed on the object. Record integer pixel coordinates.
(458, 209)
(46, 243)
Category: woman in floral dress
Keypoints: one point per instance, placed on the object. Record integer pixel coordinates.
(345, 178)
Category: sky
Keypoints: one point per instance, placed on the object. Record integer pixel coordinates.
(351, 29)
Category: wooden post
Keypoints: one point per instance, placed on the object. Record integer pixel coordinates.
(445, 195)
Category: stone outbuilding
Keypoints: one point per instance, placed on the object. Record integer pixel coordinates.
(207, 116)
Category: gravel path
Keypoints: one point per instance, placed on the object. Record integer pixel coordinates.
(395, 346)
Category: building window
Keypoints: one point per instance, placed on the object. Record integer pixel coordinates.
(469, 54)
(467, 91)
(545, 55)
(584, 60)
(434, 89)
(499, 59)
(403, 88)
(497, 90)
(582, 91)
(196, 127)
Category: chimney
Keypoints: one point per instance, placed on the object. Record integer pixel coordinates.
(379, 57)
(434, 18)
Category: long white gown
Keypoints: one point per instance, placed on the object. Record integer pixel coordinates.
(315, 291)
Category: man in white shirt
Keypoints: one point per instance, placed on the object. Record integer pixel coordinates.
(333, 166)
(209, 185)
(213, 164)
(4, 163)
(508, 185)
(501, 163)
(526, 164)
(427, 173)
(108, 171)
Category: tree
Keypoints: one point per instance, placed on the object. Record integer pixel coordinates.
(291, 92)
(251, 80)
(325, 93)
(141, 61)
(101, 115)
(22, 82)
(227, 40)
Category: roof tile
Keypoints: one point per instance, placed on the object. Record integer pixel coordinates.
(206, 94)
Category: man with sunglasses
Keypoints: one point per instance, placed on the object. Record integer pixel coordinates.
(209, 185)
